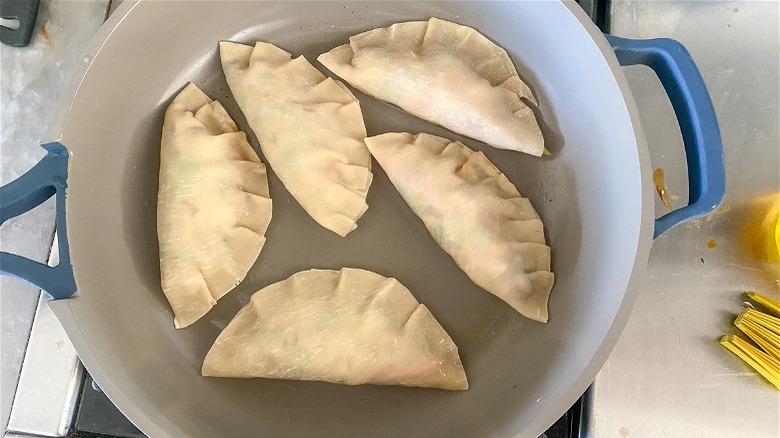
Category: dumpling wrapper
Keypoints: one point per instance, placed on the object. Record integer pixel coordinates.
(350, 326)
(474, 213)
(445, 73)
(213, 205)
(310, 129)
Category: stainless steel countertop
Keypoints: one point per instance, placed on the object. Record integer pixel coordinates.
(668, 376)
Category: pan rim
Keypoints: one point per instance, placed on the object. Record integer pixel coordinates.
(93, 364)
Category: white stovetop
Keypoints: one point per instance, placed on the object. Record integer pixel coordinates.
(32, 80)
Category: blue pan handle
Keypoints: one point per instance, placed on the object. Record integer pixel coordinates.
(696, 116)
(46, 179)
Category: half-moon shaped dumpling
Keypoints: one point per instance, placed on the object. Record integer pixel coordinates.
(213, 206)
(474, 213)
(445, 73)
(310, 129)
(349, 326)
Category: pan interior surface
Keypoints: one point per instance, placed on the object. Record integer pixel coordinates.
(522, 374)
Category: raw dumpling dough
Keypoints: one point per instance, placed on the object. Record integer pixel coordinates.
(474, 213)
(350, 326)
(213, 205)
(310, 129)
(445, 73)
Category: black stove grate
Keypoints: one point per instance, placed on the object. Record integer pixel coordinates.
(97, 417)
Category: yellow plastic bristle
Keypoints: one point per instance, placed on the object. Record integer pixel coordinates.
(765, 359)
(762, 319)
(764, 330)
(770, 304)
(757, 359)
(765, 339)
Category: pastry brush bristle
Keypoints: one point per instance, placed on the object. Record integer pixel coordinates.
(764, 330)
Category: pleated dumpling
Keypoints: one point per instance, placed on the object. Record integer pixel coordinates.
(446, 73)
(474, 213)
(310, 129)
(213, 206)
(349, 326)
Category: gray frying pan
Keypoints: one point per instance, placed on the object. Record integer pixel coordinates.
(594, 194)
